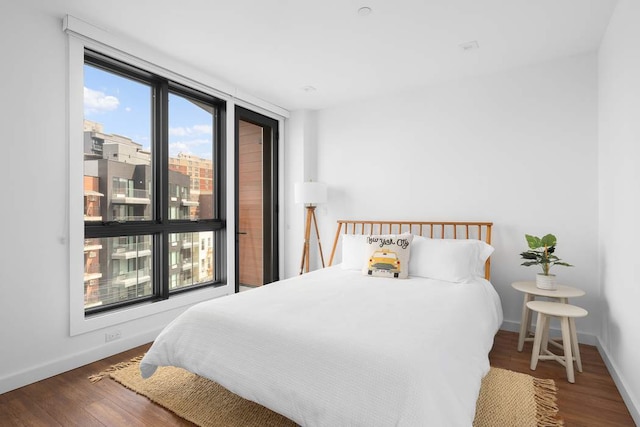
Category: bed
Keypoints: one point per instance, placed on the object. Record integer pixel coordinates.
(355, 344)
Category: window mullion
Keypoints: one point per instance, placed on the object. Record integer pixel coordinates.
(220, 192)
(161, 141)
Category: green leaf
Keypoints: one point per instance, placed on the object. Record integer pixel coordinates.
(548, 240)
(529, 263)
(563, 263)
(529, 255)
(533, 241)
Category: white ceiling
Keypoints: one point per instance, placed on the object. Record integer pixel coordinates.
(272, 49)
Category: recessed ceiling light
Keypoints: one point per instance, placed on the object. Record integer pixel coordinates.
(467, 46)
(308, 89)
(365, 11)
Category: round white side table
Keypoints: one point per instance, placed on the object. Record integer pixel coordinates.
(567, 314)
(531, 291)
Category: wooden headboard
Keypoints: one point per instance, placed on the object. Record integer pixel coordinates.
(431, 229)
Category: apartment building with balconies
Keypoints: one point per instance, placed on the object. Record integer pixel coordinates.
(117, 188)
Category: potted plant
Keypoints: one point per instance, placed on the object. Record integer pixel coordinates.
(541, 252)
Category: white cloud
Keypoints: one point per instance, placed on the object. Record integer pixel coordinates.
(98, 102)
(191, 147)
(178, 131)
(178, 147)
(196, 142)
(203, 129)
(191, 130)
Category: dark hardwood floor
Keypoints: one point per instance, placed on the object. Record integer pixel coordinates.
(70, 399)
(593, 400)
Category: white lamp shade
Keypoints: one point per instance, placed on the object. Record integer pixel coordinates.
(310, 193)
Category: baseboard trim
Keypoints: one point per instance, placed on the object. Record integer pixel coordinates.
(55, 367)
(632, 403)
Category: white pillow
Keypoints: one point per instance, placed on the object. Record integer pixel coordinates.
(388, 255)
(354, 247)
(451, 260)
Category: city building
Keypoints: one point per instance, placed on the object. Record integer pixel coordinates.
(117, 187)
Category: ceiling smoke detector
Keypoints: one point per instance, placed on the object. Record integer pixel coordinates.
(365, 11)
(467, 46)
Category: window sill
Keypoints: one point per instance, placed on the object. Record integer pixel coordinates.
(79, 324)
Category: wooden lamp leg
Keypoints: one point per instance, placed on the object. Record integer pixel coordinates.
(304, 262)
(313, 213)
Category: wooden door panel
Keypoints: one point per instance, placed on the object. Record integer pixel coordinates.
(250, 195)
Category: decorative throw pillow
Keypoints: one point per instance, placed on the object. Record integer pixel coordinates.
(354, 247)
(388, 255)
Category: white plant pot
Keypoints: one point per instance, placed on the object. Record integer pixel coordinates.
(546, 282)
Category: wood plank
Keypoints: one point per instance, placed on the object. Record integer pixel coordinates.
(112, 414)
(250, 215)
(64, 401)
(25, 412)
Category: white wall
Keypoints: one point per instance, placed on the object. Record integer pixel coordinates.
(35, 271)
(35, 339)
(517, 148)
(619, 156)
(294, 171)
(300, 165)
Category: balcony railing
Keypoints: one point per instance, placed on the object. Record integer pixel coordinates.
(130, 192)
(92, 272)
(132, 196)
(132, 218)
(132, 278)
(92, 245)
(186, 202)
(131, 250)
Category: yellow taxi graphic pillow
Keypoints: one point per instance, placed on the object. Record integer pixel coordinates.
(388, 255)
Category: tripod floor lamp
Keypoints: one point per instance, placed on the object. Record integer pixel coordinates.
(310, 193)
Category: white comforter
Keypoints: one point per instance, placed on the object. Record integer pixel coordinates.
(336, 348)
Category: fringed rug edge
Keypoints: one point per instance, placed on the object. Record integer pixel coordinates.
(546, 407)
(100, 375)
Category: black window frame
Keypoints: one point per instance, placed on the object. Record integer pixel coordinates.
(161, 226)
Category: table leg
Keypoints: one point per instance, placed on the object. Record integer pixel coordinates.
(566, 342)
(525, 321)
(544, 345)
(537, 341)
(574, 342)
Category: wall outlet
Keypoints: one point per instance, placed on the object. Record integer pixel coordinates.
(111, 336)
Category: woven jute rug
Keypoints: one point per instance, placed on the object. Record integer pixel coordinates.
(506, 399)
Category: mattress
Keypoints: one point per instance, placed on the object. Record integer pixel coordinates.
(337, 348)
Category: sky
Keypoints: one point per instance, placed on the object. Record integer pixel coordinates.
(123, 107)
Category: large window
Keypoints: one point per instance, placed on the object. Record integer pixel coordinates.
(152, 186)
